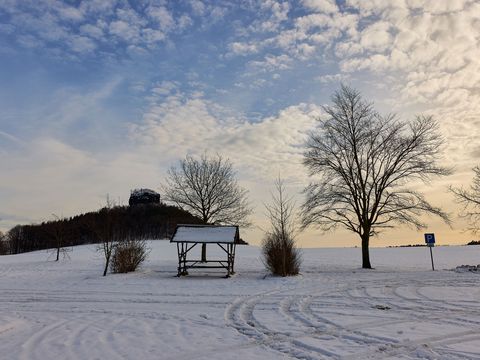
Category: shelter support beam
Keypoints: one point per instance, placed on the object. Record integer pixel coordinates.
(184, 264)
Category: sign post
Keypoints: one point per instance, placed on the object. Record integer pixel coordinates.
(430, 241)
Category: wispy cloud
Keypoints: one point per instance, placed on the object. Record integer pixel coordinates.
(180, 123)
(90, 27)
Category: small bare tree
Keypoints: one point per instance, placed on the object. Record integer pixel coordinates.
(364, 162)
(58, 231)
(280, 254)
(207, 188)
(470, 201)
(105, 226)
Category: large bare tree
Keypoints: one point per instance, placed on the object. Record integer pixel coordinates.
(207, 188)
(363, 163)
(470, 200)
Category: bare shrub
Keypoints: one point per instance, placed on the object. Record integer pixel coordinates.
(128, 255)
(280, 255)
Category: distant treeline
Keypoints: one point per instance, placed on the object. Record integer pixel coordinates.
(474, 242)
(409, 245)
(154, 221)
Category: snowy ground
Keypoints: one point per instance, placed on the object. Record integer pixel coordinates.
(401, 310)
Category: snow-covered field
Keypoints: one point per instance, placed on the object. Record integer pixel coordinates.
(400, 310)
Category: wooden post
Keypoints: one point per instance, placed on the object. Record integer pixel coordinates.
(233, 258)
(230, 262)
(179, 260)
(185, 260)
(204, 253)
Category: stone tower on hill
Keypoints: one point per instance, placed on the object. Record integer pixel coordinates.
(143, 196)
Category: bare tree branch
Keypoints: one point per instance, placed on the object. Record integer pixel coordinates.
(470, 200)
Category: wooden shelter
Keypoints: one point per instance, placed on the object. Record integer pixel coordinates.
(188, 236)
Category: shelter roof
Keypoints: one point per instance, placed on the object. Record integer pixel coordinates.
(206, 234)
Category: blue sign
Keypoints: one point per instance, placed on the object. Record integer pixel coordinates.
(430, 239)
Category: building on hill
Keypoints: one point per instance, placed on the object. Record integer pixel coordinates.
(143, 196)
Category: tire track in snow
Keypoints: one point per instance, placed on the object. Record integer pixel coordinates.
(413, 308)
(412, 346)
(414, 313)
(33, 347)
(77, 338)
(301, 312)
(428, 309)
(295, 343)
(239, 315)
(350, 332)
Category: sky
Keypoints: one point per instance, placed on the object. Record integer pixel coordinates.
(103, 96)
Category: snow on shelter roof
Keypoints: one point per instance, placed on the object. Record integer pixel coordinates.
(206, 234)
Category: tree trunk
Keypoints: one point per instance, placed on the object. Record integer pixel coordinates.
(107, 261)
(58, 254)
(365, 252)
(204, 253)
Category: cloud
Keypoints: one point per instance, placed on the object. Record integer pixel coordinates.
(7, 28)
(426, 53)
(238, 48)
(301, 38)
(82, 44)
(198, 7)
(376, 37)
(162, 16)
(332, 78)
(46, 172)
(184, 21)
(124, 30)
(70, 13)
(271, 63)
(94, 31)
(433, 48)
(9, 138)
(194, 125)
(89, 28)
(324, 6)
(264, 57)
(49, 174)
